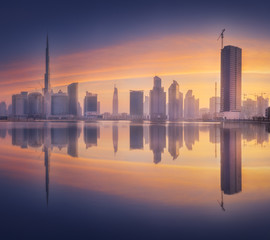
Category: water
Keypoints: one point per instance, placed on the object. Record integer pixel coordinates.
(121, 180)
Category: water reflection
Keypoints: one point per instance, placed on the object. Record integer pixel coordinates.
(136, 137)
(115, 137)
(91, 135)
(57, 137)
(157, 141)
(175, 139)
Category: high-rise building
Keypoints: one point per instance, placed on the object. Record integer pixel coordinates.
(47, 84)
(115, 102)
(146, 106)
(191, 106)
(157, 101)
(90, 104)
(175, 102)
(20, 104)
(3, 109)
(136, 104)
(59, 104)
(73, 99)
(35, 104)
(231, 78)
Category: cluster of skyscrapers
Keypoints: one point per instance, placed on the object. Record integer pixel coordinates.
(50, 105)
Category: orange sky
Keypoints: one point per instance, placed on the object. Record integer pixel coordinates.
(193, 61)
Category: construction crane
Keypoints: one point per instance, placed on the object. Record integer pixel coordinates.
(221, 203)
(221, 36)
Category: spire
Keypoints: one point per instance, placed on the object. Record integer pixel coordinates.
(47, 86)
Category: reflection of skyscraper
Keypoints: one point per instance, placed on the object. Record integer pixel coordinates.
(91, 134)
(3, 132)
(115, 102)
(47, 171)
(157, 141)
(136, 136)
(191, 134)
(73, 135)
(35, 137)
(157, 101)
(231, 166)
(115, 137)
(231, 74)
(175, 140)
(19, 137)
(59, 137)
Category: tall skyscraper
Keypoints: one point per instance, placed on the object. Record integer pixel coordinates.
(115, 101)
(146, 106)
(231, 78)
(73, 98)
(47, 84)
(90, 104)
(136, 104)
(157, 101)
(3, 109)
(35, 104)
(59, 104)
(20, 104)
(175, 102)
(191, 106)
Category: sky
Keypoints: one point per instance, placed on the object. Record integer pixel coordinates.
(127, 43)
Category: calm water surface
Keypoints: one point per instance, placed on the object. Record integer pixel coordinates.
(121, 180)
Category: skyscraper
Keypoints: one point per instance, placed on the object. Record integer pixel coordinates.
(157, 101)
(175, 102)
(73, 99)
(191, 106)
(146, 106)
(231, 78)
(136, 104)
(35, 104)
(90, 104)
(20, 104)
(115, 101)
(47, 84)
(59, 104)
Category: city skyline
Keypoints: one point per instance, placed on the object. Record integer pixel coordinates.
(173, 49)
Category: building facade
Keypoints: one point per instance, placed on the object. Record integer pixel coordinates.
(136, 104)
(157, 101)
(59, 104)
(115, 102)
(35, 104)
(175, 102)
(73, 99)
(90, 104)
(231, 81)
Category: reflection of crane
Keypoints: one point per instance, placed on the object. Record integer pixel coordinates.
(221, 36)
(221, 204)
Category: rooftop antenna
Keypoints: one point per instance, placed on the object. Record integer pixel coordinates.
(221, 36)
